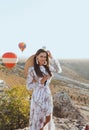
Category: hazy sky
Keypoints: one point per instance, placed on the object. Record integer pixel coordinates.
(60, 25)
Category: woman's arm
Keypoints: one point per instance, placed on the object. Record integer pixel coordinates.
(54, 64)
(30, 82)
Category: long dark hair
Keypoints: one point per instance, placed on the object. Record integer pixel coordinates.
(37, 67)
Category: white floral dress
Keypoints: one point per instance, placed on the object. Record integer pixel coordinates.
(41, 101)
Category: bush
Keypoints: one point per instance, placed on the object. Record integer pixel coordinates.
(14, 108)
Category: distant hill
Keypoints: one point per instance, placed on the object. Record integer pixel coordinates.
(12, 77)
(74, 69)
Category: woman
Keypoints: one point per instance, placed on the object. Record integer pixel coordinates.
(38, 78)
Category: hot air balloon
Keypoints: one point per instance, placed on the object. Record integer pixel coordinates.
(9, 59)
(44, 47)
(22, 46)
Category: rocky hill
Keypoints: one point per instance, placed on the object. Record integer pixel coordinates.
(74, 80)
(76, 69)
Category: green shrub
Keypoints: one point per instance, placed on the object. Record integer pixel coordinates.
(14, 108)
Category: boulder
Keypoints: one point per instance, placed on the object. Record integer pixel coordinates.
(64, 108)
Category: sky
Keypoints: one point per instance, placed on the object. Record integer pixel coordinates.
(62, 26)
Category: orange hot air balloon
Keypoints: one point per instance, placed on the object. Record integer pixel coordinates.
(9, 59)
(22, 46)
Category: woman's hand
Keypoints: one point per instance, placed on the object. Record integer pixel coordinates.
(34, 81)
(49, 54)
(45, 78)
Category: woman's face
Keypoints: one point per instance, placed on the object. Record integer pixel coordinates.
(41, 58)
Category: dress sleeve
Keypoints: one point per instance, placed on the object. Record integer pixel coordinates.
(55, 66)
(30, 85)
